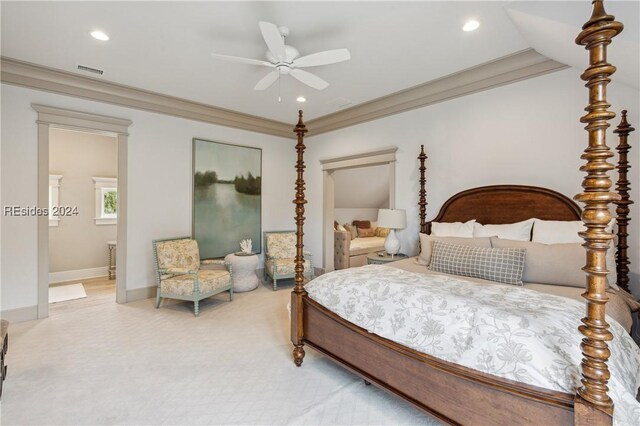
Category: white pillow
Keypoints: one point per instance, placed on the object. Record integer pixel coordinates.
(453, 229)
(560, 231)
(520, 231)
(557, 231)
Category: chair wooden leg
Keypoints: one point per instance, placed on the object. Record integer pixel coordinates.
(158, 299)
(196, 307)
(230, 294)
(3, 368)
(275, 284)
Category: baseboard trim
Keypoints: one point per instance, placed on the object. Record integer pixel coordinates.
(141, 293)
(78, 274)
(27, 313)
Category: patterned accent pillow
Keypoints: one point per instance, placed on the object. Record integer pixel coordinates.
(365, 232)
(362, 224)
(504, 265)
(353, 231)
(382, 232)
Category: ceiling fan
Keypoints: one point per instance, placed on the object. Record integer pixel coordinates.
(285, 59)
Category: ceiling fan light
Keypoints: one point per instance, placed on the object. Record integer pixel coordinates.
(470, 25)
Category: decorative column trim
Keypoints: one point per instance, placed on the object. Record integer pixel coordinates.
(596, 35)
(622, 210)
(422, 202)
(299, 292)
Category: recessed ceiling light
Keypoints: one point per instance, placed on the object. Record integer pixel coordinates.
(99, 35)
(301, 99)
(471, 25)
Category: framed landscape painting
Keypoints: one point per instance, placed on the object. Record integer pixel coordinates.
(227, 187)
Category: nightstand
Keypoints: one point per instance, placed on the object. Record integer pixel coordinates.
(381, 257)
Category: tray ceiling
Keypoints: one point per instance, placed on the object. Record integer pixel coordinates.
(165, 47)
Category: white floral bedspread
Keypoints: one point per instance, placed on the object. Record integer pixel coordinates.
(508, 331)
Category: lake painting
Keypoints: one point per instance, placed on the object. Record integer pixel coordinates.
(227, 186)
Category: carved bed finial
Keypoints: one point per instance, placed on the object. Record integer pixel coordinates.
(622, 209)
(596, 35)
(423, 193)
(298, 290)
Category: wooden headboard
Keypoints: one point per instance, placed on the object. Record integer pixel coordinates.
(499, 204)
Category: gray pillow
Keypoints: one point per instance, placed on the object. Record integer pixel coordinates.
(559, 264)
(427, 240)
(503, 265)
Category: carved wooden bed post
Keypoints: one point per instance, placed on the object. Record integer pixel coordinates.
(298, 291)
(423, 193)
(593, 404)
(622, 211)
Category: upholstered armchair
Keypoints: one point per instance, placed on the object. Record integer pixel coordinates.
(179, 276)
(280, 253)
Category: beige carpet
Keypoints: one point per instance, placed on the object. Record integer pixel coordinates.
(63, 293)
(133, 364)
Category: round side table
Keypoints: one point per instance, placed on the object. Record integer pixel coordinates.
(244, 272)
(383, 258)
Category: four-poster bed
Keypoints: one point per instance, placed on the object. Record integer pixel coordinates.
(456, 393)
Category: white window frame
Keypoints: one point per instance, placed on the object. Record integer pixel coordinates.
(103, 185)
(54, 198)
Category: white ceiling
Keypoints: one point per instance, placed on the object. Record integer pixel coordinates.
(551, 31)
(165, 46)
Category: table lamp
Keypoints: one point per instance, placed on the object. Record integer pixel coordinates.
(392, 219)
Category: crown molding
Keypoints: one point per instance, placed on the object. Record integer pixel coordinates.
(52, 80)
(508, 69)
(505, 70)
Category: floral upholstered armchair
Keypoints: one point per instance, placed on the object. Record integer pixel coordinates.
(179, 276)
(280, 253)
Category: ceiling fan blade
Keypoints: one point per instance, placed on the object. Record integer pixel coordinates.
(309, 79)
(242, 60)
(323, 58)
(273, 38)
(267, 81)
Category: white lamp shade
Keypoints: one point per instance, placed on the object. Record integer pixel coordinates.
(392, 218)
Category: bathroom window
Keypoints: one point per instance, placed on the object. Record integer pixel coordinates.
(106, 200)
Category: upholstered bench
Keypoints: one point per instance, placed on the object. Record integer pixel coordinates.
(4, 338)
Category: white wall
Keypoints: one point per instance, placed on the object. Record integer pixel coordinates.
(349, 215)
(159, 190)
(523, 133)
(358, 187)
